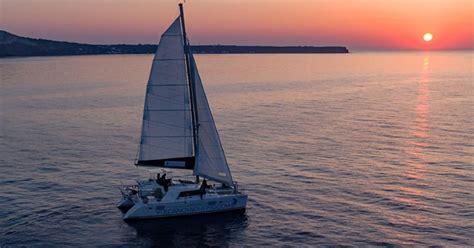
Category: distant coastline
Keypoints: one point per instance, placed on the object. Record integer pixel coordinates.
(12, 45)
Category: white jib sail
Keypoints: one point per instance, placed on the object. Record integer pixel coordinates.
(167, 122)
(210, 158)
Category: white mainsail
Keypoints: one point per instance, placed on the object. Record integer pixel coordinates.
(210, 158)
(167, 138)
(167, 132)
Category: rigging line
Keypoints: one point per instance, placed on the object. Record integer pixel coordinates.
(137, 155)
(171, 85)
(164, 35)
(175, 150)
(158, 59)
(172, 97)
(160, 123)
(138, 172)
(157, 85)
(170, 100)
(187, 55)
(169, 136)
(157, 91)
(170, 88)
(148, 126)
(169, 110)
(168, 85)
(155, 122)
(168, 149)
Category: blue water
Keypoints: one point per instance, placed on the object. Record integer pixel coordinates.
(362, 149)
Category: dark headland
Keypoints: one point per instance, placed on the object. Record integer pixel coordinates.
(16, 46)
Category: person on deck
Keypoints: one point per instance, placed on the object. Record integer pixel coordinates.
(158, 179)
(203, 187)
(163, 178)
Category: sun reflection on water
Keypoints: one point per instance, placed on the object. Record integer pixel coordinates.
(410, 196)
(420, 140)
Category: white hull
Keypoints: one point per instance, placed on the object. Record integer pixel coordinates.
(179, 200)
(207, 205)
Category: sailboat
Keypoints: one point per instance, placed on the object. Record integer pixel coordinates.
(179, 132)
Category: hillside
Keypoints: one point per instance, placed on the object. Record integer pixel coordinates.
(12, 45)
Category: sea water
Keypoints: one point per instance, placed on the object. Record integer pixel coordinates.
(367, 148)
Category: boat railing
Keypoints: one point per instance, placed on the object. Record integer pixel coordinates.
(128, 190)
(237, 188)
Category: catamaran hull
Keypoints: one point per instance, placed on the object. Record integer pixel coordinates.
(125, 203)
(163, 210)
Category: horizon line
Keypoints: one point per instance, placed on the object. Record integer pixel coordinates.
(352, 49)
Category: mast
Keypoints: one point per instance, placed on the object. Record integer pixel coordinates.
(192, 89)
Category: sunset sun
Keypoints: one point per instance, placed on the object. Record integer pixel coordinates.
(427, 37)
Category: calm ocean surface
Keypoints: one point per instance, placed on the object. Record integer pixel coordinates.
(362, 149)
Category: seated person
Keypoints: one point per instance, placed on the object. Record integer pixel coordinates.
(158, 179)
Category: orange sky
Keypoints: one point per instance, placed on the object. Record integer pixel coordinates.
(372, 24)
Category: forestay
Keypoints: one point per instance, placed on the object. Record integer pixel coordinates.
(167, 132)
(210, 158)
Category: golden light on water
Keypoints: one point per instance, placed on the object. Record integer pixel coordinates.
(427, 37)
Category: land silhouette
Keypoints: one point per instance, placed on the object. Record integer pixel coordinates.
(12, 45)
